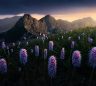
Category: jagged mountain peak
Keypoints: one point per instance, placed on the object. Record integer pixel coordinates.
(26, 16)
(49, 21)
(47, 18)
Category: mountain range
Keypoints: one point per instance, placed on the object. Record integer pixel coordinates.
(15, 27)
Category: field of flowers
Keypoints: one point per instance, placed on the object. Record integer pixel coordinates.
(63, 59)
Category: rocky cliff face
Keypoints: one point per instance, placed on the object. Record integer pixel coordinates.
(32, 25)
(50, 22)
(25, 24)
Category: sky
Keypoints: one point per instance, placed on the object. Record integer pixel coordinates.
(60, 9)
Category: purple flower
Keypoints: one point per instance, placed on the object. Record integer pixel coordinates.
(92, 57)
(36, 50)
(3, 66)
(23, 56)
(62, 55)
(52, 66)
(51, 44)
(72, 44)
(76, 58)
(90, 40)
(3, 45)
(45, 53)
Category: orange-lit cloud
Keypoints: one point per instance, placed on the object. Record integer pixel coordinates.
(69, 17)
(69, 14)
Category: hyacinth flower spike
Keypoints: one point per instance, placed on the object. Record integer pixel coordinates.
(36, 50)
(92, 62)
(76, 62)
(31, 50)
(8, 52)
(79, 37)
(62, 54)
(23, 56)
(76, 58)
(45, 53)
(90, 40)
(51, 45)
(3, 66)
(71, 49)
(72, 44)
(52, 66)
(92, 57)
(3, 46)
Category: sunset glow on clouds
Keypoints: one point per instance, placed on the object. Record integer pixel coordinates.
(64, 14)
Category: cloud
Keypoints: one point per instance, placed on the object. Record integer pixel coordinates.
(70, 16)
(40, 6)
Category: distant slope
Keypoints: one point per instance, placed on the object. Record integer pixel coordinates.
(63, 25)
(8, 23)
(85, 22)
